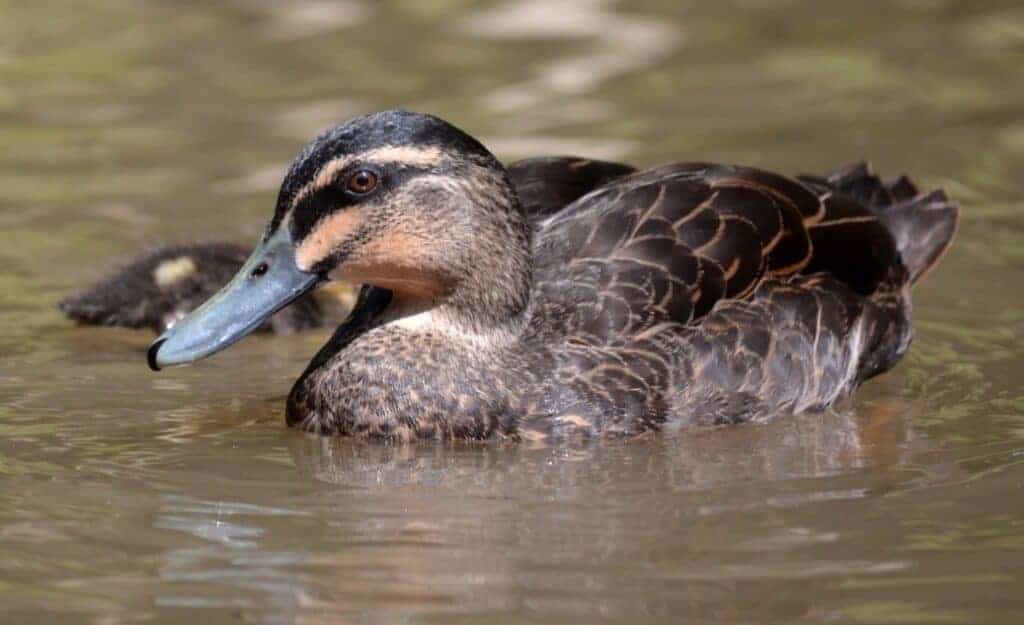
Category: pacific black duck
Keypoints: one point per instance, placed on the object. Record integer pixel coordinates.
(691, 293)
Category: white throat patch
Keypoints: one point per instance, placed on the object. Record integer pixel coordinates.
(437, 322)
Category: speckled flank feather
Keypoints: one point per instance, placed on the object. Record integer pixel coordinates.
(686, 294)
(162, 285)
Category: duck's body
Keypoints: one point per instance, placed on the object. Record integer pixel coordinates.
(689, 293)
(655, 305)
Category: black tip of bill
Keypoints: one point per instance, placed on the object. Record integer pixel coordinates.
(151, 354)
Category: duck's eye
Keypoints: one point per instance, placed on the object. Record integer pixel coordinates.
(362, 182)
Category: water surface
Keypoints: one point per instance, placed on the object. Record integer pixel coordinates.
(131, 497)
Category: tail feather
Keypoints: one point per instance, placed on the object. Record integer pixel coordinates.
(922, 224)
(924, 227)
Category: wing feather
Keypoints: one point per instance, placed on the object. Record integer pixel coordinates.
(666, 245)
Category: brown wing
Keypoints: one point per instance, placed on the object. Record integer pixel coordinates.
(667, 244)
(547, 184)
(784, 267)
(921, 226)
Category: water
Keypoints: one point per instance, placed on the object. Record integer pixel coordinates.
(130, 497)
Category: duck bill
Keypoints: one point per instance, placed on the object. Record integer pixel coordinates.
(265, 284)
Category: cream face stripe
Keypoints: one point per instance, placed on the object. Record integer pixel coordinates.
(418, 156)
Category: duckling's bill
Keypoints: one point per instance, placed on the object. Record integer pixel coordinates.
(265, 284)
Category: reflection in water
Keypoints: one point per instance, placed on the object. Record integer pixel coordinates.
(128, 498)
(413, 542)
(807, 446)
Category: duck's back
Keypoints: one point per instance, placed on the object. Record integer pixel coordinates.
(730, 290)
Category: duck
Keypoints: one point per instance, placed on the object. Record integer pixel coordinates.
(161, 285)
(684, 295)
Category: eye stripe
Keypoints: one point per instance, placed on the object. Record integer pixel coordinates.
(317, 207)
(312, 209)
(401, 155)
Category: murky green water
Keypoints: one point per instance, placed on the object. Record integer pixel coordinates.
(130, 497)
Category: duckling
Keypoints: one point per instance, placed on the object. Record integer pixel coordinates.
(164, 284)
(683, 295)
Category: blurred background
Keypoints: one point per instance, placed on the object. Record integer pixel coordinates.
(129, 497)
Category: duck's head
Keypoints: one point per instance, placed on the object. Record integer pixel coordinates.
(398, 200)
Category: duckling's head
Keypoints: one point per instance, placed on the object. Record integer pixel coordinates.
(402, 201)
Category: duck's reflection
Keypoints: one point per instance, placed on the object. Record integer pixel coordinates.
(392, 532)
(580, 530)
(806, 446)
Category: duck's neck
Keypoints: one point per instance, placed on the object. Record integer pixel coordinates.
(487, 290)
